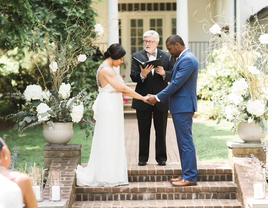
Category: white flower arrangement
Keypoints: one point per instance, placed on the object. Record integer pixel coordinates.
(242, 95)
(99, 29)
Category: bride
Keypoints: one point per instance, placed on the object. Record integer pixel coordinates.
(107, 165)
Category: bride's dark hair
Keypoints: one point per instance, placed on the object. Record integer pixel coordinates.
(115, 51)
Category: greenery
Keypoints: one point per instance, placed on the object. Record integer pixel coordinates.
(207, 136)
(36, 33)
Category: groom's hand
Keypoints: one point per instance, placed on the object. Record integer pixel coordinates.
(151, 99)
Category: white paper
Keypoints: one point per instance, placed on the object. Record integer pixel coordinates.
(37, 192)
(55, 193)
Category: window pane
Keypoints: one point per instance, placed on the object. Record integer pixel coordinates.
(136, 7)
(133, 32)
(140, 23)
(140, 32)
(124, 7)
(149, 7)
(162, 6)
(143, 7)
(130, 7)
(133, 50)
(140, 48)
(155, 6)
(152, 22)
(168, 6)
(140, 41)
(133, 23)
(159, 30)
(159, 22)
(133, 41)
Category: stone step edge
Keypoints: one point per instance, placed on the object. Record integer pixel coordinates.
(161, 187)
(211, 203)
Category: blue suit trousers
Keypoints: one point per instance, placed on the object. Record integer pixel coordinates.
(183, 127)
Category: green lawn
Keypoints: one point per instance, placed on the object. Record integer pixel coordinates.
(210, 142)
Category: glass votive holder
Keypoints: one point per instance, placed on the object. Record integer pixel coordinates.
(259, 183)
(36, 176)
(54, 185)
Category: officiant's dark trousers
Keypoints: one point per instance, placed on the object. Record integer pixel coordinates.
(160, 125)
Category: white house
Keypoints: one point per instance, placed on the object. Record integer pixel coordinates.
(125, 21)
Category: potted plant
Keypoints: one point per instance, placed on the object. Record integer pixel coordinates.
(239, 64)
(50, 102)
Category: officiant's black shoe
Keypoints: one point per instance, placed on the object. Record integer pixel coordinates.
(142, 163)
(162, 163)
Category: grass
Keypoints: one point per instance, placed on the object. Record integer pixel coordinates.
(210, 141)
(30, 145)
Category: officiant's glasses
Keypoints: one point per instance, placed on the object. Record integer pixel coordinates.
(148, 42)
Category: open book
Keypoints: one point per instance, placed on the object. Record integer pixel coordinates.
(156, 62)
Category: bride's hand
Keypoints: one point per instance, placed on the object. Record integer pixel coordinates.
(145, 99)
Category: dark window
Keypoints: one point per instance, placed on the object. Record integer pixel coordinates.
(174, 6)
(168, 6)
(130, 7)
(124, 7)
(142, 7)
(155, 6)
(136, 7)
(162, 6)
(149, 7)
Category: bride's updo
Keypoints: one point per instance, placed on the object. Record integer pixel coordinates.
(115, 51)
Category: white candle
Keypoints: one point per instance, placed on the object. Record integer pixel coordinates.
(55, 193)
(37, 193)
(258, 191)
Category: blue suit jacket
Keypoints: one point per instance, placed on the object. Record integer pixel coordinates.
(183, 82)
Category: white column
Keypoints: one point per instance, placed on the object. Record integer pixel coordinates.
(182, 20)
(113, 35)
(219, 12)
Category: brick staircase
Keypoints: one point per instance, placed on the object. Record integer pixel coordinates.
(149, 187)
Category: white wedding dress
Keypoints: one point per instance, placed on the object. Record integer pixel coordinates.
(107, 165)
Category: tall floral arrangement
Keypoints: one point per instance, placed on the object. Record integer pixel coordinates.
(243, 58)
(51, 98)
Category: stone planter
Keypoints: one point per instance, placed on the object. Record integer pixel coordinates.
(250, 132)
(61, 133)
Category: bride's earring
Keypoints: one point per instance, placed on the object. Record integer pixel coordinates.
(6, 157)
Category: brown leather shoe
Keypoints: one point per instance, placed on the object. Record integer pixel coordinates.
(175, 179)
(184, 183)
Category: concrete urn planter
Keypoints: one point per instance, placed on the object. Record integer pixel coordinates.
(250, 132)
(61, 133)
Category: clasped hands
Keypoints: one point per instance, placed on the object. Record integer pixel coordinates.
(150, 99)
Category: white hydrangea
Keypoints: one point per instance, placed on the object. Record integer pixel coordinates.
(253, 70)
(235, 99)
(53, 66)
(99, 29)
(230, 112)
(46, 95)
(264, 38)
(82, 58)
(77, 113)
(42, 113)
(256, 107)
(215, 29)
(65, 90)
(239, 87)
(33, 92)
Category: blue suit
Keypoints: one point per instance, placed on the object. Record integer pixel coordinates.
(182, 104)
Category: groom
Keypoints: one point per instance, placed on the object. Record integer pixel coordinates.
(182, 104)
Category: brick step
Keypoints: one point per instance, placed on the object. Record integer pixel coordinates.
(127, 107)
(204, 203)
(153, 172)
(158, 191)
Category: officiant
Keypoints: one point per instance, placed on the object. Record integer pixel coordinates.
(151, 80)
